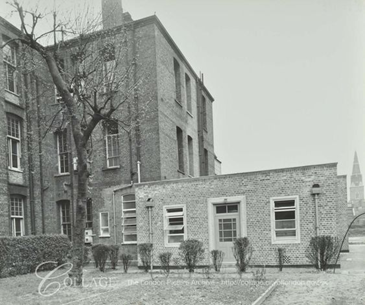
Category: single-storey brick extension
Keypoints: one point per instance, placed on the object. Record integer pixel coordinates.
(273, 208)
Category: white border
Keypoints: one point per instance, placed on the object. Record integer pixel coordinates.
(285, 240)
(241, 200)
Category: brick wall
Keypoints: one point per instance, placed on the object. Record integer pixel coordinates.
(258, 188)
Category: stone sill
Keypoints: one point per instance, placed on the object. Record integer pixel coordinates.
(110, 168)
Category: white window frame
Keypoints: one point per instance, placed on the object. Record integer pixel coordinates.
(166, 216)
(66, 205)
(109, 75)
(124, 218)
(14, 217)
(59, 153)
(102, 234)
(12, 64)
(285, 240)
(14, 139)
(112, 139)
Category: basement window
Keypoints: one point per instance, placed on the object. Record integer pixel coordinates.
(174, 225)
(285, 220)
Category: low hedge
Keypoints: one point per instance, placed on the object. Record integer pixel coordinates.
(21, 255)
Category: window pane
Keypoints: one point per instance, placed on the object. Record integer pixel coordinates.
(129, 214)
(129, 197)
(129, 205)
(286, 233)
(233, 208)
(130, 228)
(18, 226)
(130, 238)
(221, 209)
(284, 203)
(284, 215)
(285, 224)
(175, 238)
(104, 231)
(104, 220)
(129, 221)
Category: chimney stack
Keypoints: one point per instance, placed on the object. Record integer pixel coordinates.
(112, 13)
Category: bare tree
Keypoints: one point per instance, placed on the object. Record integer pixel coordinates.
(91, 91)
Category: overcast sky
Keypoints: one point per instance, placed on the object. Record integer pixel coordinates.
(288, 76)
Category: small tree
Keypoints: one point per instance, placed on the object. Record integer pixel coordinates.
(126, 261)
(217, 258)
(100, 253)
(165, 261)
(114, 255)
(242, 252)
(145, 254)
(191, 252)
(321, 251)
(281, 258)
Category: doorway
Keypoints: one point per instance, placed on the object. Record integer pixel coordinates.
(227, 222)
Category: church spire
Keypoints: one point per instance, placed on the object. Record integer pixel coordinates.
(356, 166)
(356, 177)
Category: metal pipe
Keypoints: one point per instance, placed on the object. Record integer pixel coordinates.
(317, 214)
(139, 171)
(149, 209)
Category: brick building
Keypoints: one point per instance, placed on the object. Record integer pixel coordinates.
(168, 147)
(170, 135)
(274, 208)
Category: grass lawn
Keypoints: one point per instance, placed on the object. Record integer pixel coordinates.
(305, 287)
(115, 287)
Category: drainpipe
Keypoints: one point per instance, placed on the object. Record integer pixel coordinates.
(316, 190)
(149, 206)
(114, 211)
(139, 171)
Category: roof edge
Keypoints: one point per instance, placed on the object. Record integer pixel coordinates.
(333, 164)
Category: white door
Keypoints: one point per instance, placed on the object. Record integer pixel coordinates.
(226, 229)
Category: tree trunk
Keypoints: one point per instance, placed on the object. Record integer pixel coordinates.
(78, 238)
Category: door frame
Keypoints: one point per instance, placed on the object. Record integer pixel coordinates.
(241, 200)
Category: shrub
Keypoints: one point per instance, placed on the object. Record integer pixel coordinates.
(259, 274)
(242, 252)
(322, 250)
(100, 253)
(145, 254)
(21, 255)
(281, 258)
(114, 255)
(191, 252)
(126, 261)
(217, 258)
(165, 260)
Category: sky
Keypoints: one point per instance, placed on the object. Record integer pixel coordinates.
(288, 76)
